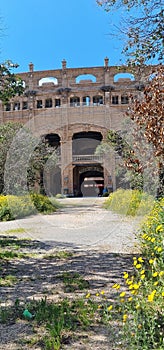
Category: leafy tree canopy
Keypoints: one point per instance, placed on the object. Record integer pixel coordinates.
(143, 27)
(10, 83)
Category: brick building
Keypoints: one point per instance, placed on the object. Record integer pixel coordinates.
(73, 108)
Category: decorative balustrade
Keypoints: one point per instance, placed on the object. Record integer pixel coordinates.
(84, 158)
(87, 158)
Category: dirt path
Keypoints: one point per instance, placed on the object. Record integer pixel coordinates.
(101, 245)
(82, 223)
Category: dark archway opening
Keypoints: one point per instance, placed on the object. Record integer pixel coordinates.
(53, 140)
(84, 143)
(88, 181)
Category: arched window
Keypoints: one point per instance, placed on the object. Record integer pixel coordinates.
(75, 101)
(86, 100)
(48, 80)
(97, 100)
(123, 77)
(89, 78)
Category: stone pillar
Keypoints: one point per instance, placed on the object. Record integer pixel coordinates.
(31, 67)
(66, 166)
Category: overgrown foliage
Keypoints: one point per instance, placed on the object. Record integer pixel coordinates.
(14, 207)
(147, 115)
(143, 26)
(140, 308)
(140, 144)
(10, 84)
(22, 159)
(129, 202)
(7, 134)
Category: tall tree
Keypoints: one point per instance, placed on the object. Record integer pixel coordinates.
(10, 83)
(143, 25)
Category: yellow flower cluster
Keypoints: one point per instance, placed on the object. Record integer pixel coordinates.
(151, 296)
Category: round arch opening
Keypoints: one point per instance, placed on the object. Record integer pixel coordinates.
(88, 181)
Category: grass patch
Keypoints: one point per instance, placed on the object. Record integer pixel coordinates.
(8, 281)
(63, 254)
(58, 321)
(73, 281)
(7, 255)
(15, 230)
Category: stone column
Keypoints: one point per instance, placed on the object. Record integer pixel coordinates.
(66, 166)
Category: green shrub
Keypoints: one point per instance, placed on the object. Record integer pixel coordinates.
(129, 202)
(140, 306)
(14, 207)
(43, 204)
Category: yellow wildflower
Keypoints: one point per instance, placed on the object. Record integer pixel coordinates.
(153, 240)
(159, 249)
(134, 292)
(122, 294)
(151, 296)
(131, 286)
(142, 277)
(116, 286)
(125, 316)
(130, 299)
(129, 282)
(155, 274)
(163, 294)
(110, 308)
(159, 228)
(126, 275)
(156, 283)
(136, 286)
(161, 273)
(138, 266)
(151, 261)
(88, 295)
(97, 294)
(142, 272)
(140, 259)
(102, 292)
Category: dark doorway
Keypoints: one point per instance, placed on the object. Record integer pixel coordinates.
(88, 181)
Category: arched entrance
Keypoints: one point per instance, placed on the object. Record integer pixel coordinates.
(88, 177)
(88, 180)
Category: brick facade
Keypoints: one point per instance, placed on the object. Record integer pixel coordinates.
(77, 107)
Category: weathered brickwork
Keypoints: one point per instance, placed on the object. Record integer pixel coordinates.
(75, 107)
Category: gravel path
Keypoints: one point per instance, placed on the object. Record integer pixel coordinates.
(102, 245)
(81, 223)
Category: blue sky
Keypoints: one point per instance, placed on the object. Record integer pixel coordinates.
(45, 32)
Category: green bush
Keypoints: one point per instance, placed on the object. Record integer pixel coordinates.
(43, 204)
(141, 303)
(129, 202)
(15, 207)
